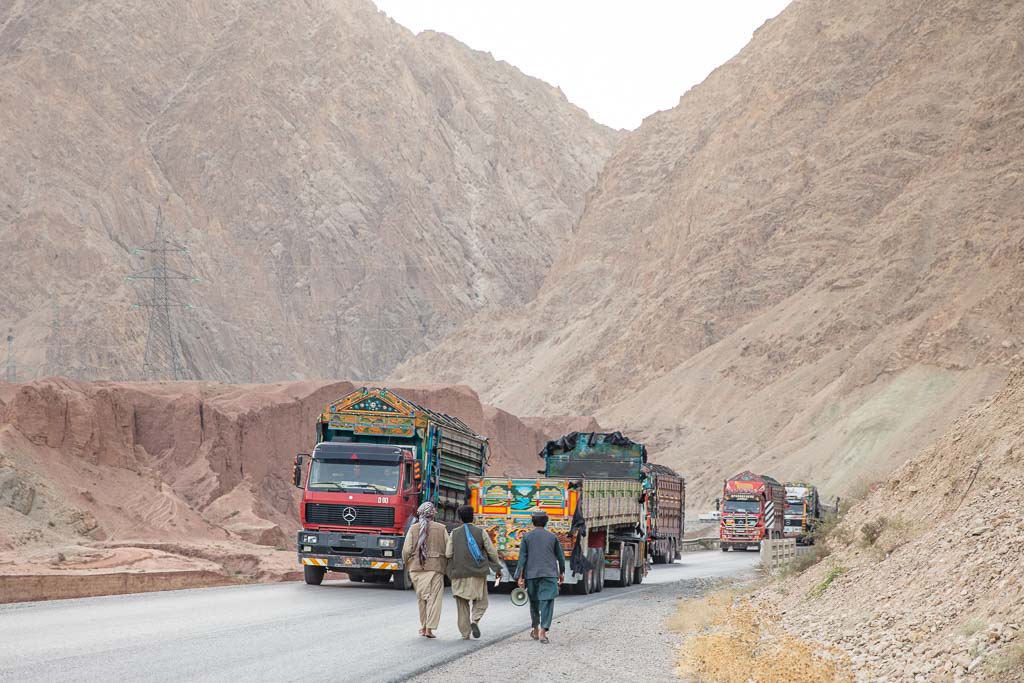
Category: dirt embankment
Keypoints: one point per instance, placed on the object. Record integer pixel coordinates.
(925, 581)
(105, 478)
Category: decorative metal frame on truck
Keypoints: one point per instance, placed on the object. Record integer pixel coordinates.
(802, 512)
(358, 527)
(610, 510)
(752, 510)
(667, 504)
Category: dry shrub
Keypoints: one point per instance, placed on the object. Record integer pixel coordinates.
(872, 530)
(734, 641)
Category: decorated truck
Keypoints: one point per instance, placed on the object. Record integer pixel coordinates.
(666, 504)
(593, 493)
(803, 511)
(751, 508)
(378, 456)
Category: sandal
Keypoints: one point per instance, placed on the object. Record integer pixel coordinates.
(544, 640)
(429, 635)
(533, 634)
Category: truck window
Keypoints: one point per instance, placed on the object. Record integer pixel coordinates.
(353, 477)
(747, 506)
(408, 481)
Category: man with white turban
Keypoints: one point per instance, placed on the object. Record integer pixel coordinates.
(424, 557)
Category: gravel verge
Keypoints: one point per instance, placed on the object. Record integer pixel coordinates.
(626, 637)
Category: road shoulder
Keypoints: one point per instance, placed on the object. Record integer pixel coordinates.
(627, 636)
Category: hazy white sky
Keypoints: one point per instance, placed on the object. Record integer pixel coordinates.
(620, 60)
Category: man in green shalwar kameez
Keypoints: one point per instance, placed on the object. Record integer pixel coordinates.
(541, 569)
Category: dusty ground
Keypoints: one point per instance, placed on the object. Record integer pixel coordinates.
(615, 640)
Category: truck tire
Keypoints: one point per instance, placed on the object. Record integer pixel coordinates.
(585, 586)
(676, 553)
(626, 566)
(723, 547)
(638, 574)
(599, 576)
(401, 580)
(313, 576)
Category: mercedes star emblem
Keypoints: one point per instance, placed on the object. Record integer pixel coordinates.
(349, 514)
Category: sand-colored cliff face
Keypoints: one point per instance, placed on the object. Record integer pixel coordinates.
(348, 191)
(110, 474)
(808, 266)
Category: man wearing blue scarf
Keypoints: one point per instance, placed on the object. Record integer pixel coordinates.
(471, 554)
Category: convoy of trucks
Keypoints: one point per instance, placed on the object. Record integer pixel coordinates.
(803, 512)
(752, 511)
(378, 456)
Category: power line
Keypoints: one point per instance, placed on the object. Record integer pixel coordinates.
(12, 366)
(163, 356)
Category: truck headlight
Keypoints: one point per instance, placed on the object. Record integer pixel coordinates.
(309, 538)
(386, 542)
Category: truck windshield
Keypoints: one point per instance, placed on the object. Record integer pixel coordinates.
(748, 506)
(794, 508)
(346, 475)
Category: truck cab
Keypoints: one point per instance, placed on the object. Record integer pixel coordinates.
(750, 511)
(357, 502)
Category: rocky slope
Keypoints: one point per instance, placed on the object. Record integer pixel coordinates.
(808, 267)
(928, 580)
(347, 191)
(164, 476)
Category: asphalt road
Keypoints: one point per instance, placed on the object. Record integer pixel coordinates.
(339, 631)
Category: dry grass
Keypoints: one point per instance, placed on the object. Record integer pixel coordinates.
(732, 640)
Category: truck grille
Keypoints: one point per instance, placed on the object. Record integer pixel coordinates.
(335, 515)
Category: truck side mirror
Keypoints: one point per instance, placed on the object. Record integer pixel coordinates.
(297, 472)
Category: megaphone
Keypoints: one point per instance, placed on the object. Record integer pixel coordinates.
(519, 597)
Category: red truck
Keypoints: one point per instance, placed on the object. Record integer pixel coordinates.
(751, 510)
(666, 507)
(378, 457)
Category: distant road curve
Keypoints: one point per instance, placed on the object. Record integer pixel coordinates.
(339, 631)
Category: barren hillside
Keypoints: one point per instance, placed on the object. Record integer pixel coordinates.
(347, 191)
(808, 267)
(928, 579)
(155, 475)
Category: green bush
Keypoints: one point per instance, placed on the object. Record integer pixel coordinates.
(818, 590)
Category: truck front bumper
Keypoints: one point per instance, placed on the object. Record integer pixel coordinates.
(344, 551)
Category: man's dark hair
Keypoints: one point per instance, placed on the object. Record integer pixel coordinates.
(466, 513)
(539, 518)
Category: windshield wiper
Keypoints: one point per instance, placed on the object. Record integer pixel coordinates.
(327, 483)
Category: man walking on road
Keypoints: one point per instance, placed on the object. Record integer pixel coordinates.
(470, 554)
(423, 555)
(542, 569)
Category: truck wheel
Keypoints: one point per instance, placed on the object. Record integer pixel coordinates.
(585, 585)
(313, 576)
(676, 553)
(723, 547)
(599, 575)
(401, 580)
(638, 574)
(626, 567)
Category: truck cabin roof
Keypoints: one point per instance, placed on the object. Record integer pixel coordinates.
(362, 452)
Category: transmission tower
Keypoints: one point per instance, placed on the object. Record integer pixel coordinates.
(55, 350)
(12, 367)
(163, 358)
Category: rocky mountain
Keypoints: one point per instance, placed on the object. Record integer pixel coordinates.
(809, 267)
(346, 191)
